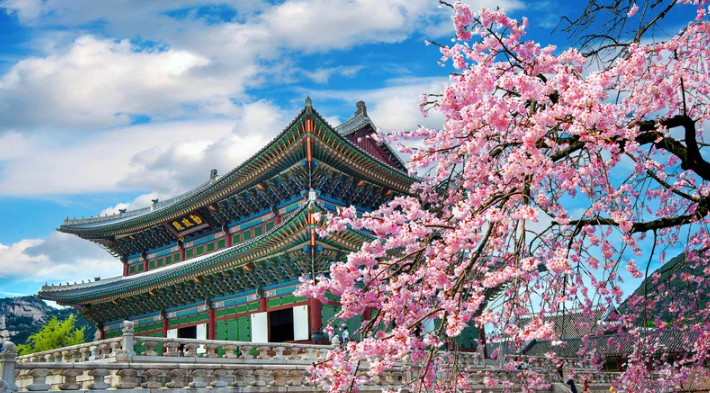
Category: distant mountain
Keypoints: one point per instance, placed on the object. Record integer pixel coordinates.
(670, 289)
(23, 316)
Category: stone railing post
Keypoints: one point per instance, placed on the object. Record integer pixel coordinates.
(199, 377)
(84, 353)
(126, 352)
(127, 379)
(152, 376)
(39, 380)
(229, 351)
(279, 377)
(211, 350)
(219, 378)
(263, 352)
(296, 378)
(70, 382)
(279, 353)
(104, 351)
(99, 375)
(94, 352)
(246, 352)
(294, 353)
(172, 348)
(177, 378)
(240, 378)
(259, 378)
(150, 348)
(191, 350)
(8, 359)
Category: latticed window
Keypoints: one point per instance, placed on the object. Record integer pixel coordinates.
(168, 260)
(189, 253)
(237, 238)
(269, 226)
(199, 250)
(210, 247)
(246, 235)
(258, 230)
(221, 243)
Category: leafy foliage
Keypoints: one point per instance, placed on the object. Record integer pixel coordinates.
(54, 334)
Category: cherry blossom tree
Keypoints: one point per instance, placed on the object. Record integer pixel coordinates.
(546, 184)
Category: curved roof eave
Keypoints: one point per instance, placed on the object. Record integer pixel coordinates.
(83, 225)
(93, 291)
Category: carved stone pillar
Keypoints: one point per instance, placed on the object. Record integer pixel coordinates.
(70, 382)
(229, 351)
(99, 375)
(219, 378)
(177, 378)
(127, 379)
(153, 379)
(39, 378)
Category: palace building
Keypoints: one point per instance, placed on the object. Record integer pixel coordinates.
(222, 260)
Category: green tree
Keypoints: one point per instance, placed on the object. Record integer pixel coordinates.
(54, 334)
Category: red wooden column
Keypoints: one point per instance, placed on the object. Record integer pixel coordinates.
(211, 324)
(102, 334)
(165, 325)
(182, 251)
(314, 320)
(145, 264)
(367, 314)
(229, 237)
(125, 267)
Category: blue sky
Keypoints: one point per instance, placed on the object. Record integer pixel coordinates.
(106, 105)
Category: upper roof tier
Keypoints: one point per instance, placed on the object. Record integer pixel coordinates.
(329, 145)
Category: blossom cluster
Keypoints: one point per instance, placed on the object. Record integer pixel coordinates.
(545, 187)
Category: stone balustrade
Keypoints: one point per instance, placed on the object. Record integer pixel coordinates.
(232, 367)
(105, 350)
(205, 351)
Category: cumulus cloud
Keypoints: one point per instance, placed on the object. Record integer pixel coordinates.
(98, 83)
(166, 157)
(55, 259)
(186, 62)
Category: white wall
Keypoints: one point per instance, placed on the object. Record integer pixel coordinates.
(259, 328)
(300, 323)
(172, 333)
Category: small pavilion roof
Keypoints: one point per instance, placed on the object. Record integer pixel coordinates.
(359, 121)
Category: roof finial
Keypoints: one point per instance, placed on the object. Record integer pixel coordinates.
(361, 108)
(309, 104)
(213, 174)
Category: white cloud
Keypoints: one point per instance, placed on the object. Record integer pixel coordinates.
(55, 259)
(196, 67)
(167, 158)
(98, 83)
(322, 75)
(395, 107)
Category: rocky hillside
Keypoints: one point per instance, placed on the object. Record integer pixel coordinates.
(21, 317)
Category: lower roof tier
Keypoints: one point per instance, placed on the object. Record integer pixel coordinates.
(288, 252)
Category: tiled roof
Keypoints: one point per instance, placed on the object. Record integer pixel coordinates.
(667, 341)
(577, 323)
